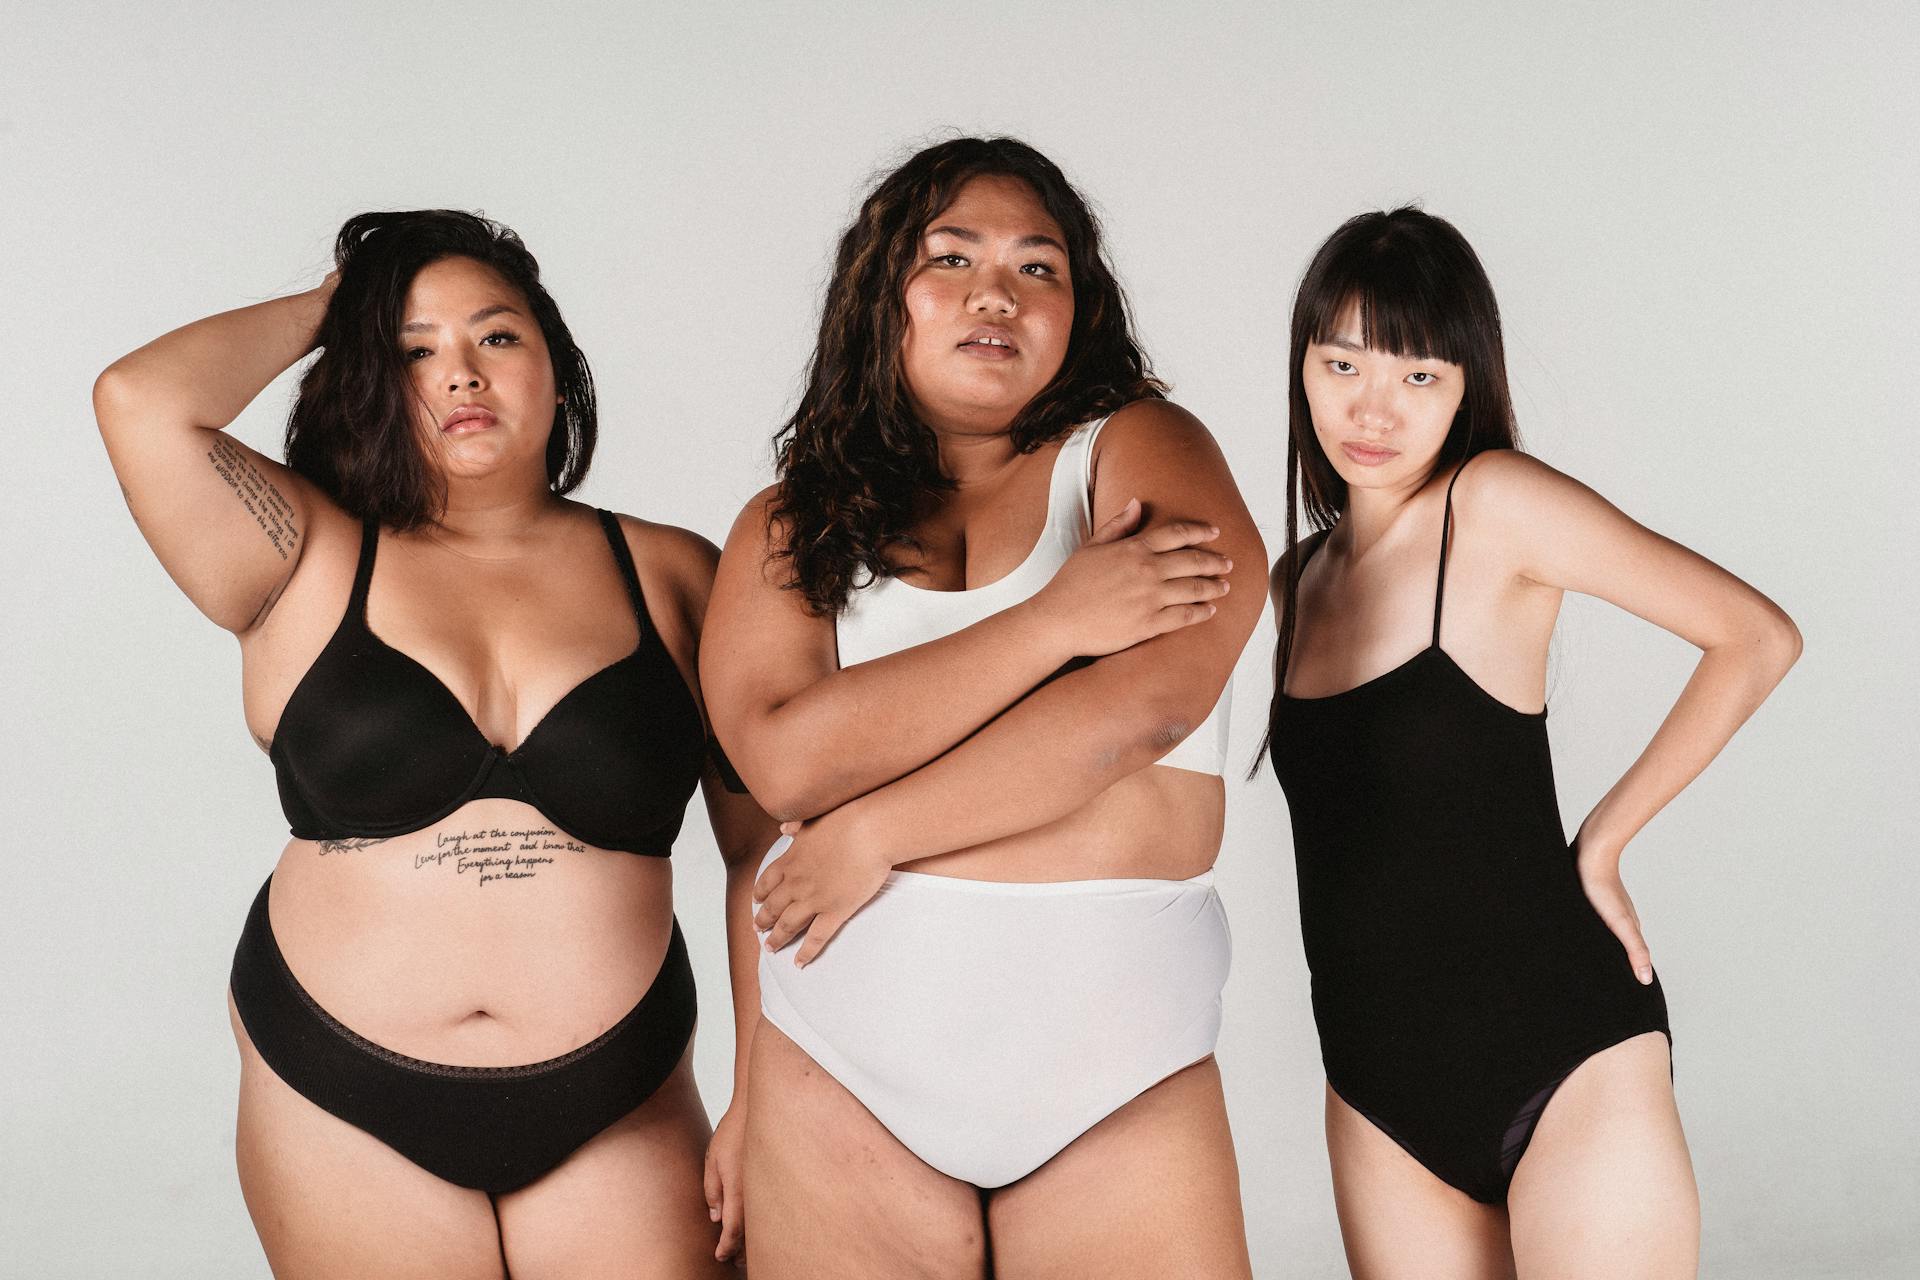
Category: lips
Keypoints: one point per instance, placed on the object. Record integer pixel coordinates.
(468, 417)
(1368, 455)
(990, 341)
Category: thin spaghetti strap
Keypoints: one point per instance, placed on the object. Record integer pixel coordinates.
(623, 556)
(1446, 542)
(363, 573)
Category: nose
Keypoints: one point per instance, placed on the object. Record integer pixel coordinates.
(993, 294)
(1372, 411)
(455, 384)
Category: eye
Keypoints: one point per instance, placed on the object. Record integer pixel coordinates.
(949, 260)
(1039, 269)
(499, 337)
(412, 354)
(1341, 367)
(1421, 378)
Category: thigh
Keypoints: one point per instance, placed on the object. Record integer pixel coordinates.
(1151, 1191)
(628, 1204)
(1606, 1186)
(831, 1194)
(330, 1201)
(1397, 1219)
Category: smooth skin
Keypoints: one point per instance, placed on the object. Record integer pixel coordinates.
(947, 758)
(1606, 1187)
(511, 598)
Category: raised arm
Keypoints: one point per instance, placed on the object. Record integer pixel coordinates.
(1067, 742)
(227, 523)
(808, 736)
(1555, 531)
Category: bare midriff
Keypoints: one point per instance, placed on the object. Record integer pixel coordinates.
(491, 938)
(1162, 823)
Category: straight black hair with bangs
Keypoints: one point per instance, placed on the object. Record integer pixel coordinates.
(1422, 294)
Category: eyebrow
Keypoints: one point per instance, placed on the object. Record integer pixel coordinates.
(973, 237)
(484, 313)
(1341, 341)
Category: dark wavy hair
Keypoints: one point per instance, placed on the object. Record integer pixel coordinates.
(857, 468)
(1423, 294)
(352, 428)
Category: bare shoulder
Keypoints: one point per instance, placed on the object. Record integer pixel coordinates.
(678, 560)
(1151, 430)
(1277, 577)
(1511, 487)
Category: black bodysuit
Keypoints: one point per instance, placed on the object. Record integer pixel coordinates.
(372, 744)
(1459, 972)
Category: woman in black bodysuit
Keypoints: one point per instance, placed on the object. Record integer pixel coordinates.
(463, 1006)
(1495, 1042)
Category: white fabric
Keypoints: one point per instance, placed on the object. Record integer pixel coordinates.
(891, 614)
(988, 1025)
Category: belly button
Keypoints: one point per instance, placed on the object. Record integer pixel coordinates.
(478, 1015)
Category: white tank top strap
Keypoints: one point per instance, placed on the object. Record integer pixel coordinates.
(891, 614)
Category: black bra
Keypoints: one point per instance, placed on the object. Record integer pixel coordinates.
(372, 744)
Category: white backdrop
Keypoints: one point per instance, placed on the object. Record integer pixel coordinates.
(1699, 225)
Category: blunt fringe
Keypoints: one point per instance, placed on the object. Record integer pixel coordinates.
(352, 428)
(856, 467)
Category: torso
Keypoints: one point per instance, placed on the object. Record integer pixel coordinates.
(981, 554)
(391, 935)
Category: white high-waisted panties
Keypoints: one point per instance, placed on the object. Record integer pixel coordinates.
(988, 1025)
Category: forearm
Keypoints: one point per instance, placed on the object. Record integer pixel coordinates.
(1728, 685)
(1042, 760)
(206, 372)
(889, 716)
(743, 967)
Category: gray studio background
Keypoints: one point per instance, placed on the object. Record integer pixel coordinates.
(1699, 223)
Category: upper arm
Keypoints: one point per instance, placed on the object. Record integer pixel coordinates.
(1161, 454)
(685, 563)
(227, 523)
(1557, 532)
(762, 646)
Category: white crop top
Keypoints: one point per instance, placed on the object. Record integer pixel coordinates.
(890, 614)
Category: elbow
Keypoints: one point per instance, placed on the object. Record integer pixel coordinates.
(1783, 643)
(112, 390)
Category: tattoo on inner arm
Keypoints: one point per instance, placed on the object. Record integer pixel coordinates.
(263, 501)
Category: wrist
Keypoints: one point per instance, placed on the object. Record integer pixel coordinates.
(853, 827)
(1598, 847)
(1042, 631)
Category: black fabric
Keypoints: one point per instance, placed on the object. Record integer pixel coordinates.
(1459, 972)
(490, 1128)
(372, 744)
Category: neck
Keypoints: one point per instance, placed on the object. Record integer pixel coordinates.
(487, 511)
(971, 456)
(1372, 513)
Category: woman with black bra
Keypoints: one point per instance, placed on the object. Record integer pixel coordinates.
(1499, 1091)
(464, 1009)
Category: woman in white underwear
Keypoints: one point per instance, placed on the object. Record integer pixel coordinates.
(994, 957)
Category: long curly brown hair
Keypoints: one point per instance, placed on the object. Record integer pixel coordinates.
(857, 468)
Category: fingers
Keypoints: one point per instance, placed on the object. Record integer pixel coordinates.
(1175, 534)
(1176, 616)
(710, 1182)
(824, 927)
(1192, 562)
(792, 923)
(732, 1218)
(1620, 918)
(1122, 523)
(769, 881)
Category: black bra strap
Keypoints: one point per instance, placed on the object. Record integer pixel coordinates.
(610, 525)
(1446, 541)
(363, 575)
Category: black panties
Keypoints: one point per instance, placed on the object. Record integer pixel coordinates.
(490, 1128)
